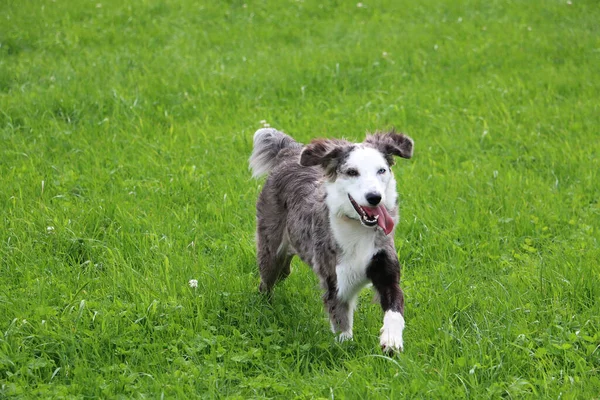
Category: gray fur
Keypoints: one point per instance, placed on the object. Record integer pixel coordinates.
(267, 144)
(292, 201)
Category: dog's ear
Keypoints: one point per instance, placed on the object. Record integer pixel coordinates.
(391, 144)
(323, 152)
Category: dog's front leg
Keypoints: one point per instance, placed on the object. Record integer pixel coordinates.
(341, 312)
(384, 272)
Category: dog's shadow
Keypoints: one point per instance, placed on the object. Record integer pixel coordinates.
(288, 323)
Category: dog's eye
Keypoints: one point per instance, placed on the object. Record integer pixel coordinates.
(381, 171)
(352, 172)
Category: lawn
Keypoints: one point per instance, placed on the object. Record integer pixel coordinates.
(125, 129)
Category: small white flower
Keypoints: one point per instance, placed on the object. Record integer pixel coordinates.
(384, 54)
(50, 229)
(262, 121)
(193, 283)
(360, 5)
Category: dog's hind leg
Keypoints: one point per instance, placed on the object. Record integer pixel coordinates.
(273, 270)
(272, 252)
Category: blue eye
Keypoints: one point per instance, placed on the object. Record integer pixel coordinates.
(381, 171)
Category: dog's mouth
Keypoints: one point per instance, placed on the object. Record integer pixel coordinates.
(373, 216)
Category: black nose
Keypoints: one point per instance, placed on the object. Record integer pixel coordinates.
(373, 198)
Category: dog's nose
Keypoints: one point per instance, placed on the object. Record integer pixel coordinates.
(373, 198)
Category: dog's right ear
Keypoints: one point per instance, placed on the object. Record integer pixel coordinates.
(323, 152)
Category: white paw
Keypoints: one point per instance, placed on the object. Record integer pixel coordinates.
(391, 332)
(342, 337)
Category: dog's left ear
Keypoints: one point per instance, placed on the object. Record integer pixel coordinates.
(392, 144)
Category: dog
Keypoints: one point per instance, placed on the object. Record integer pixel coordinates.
(333, 203)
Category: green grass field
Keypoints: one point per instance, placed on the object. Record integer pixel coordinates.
(125, 128)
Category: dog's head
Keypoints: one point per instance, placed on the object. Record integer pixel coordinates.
(360, 183)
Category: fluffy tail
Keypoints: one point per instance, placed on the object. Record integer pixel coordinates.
(268, 142)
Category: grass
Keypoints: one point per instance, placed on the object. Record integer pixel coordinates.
(125, 128)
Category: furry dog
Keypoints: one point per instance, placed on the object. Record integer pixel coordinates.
(334, 204)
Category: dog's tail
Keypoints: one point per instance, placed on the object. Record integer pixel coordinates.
(268, 142)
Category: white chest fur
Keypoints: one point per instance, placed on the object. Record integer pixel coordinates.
(357, 245)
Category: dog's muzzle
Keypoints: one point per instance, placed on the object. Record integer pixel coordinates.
(373, 216)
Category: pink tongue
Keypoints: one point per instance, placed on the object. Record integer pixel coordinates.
(385, 221)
